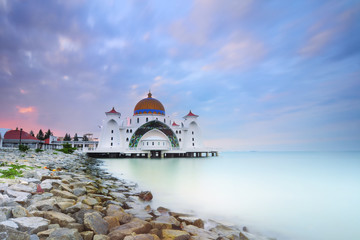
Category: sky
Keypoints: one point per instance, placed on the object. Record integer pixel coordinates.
(262, 75)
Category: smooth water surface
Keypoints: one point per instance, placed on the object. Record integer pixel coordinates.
(287, 195)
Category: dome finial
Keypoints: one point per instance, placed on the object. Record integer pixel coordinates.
(149, 94)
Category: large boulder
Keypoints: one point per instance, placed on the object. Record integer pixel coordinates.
(165, 222)
(203, 234)
(142, 237)
(119, 213)
(60, 218)
(10, 233)
(169, 234)
(94, 222)
(19, 211)
(32, 225)
(136, 225)
(146, 196)
(65, 234)
(192, 221)
(63, 194)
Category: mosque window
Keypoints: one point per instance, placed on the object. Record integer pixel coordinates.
(137, 120)
(147, 119)
(127, 130)
(112, 138)
(130, 130)
(180, 131)
(193, 144)
(193, 139)
(112, 131)
(127, 139)
(153, 143)
(176, 132)
(179, 139)
(111, 144)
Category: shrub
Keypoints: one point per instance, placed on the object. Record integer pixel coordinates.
(38, 150)
(67, 148)
(23, 148)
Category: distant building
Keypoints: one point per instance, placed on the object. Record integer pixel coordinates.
(150, 133)
(13, 138)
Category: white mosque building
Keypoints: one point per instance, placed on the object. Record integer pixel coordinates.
(150, 133)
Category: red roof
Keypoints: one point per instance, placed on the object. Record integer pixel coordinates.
(47, 141)
(174, 124)
(190, 114)
(112, 111)
(15, 134)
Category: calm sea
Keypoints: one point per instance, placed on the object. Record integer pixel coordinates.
(287, 195)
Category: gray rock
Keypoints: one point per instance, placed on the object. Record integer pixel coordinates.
(79, 216)
(59, 218)
(39, 197)
(32, 224)
(47, 204)
(20, 197)
(3, 217)
(3, 187)
(4, 199)
(34, 237)
(64, 194)
(19, 211)
(29, 180)
(22, 188)
(79, 191)
(94, 221)
(10, 233)
(65, 234)
(203, 234)
(118, 196)
(10, 223)
(7, 211)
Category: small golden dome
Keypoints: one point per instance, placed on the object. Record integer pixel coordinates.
(149, 105)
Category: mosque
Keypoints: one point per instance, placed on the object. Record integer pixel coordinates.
(150, 133)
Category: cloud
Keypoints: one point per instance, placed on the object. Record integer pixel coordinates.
(25, 110)
(238, 54)
(206, 18)
(317, 43)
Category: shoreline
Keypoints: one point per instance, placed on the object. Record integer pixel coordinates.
(79, 200)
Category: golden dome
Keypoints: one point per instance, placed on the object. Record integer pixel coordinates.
(149, 105)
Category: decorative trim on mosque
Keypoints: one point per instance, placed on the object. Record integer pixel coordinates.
(149, 111)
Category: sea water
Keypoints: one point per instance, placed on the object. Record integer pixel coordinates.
(287, 195)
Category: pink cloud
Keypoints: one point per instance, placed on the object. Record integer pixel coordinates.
(25, 109)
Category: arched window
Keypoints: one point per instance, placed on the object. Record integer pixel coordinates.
(147, 119)
(193, 144)
(179, 139)
(130, 130)
(111, 144)
(180, 131)
(137, 120)
(153, 143)
(127, 130)
(176, 132)
(192, 132)
(112, 138)
(193, 139)
(147, 143)
(127, 139)
(112, 131)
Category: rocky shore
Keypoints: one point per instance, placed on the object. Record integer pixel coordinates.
(68, 196)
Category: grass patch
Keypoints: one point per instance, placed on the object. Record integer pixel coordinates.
(13, 171)
(67, 148)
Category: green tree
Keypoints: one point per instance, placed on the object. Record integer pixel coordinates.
(40, 135)
(85, 138)
(67, 137)
(48, 134)
(76, 137)
(32, 133)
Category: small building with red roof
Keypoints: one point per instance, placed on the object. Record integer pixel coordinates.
(13, 138)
